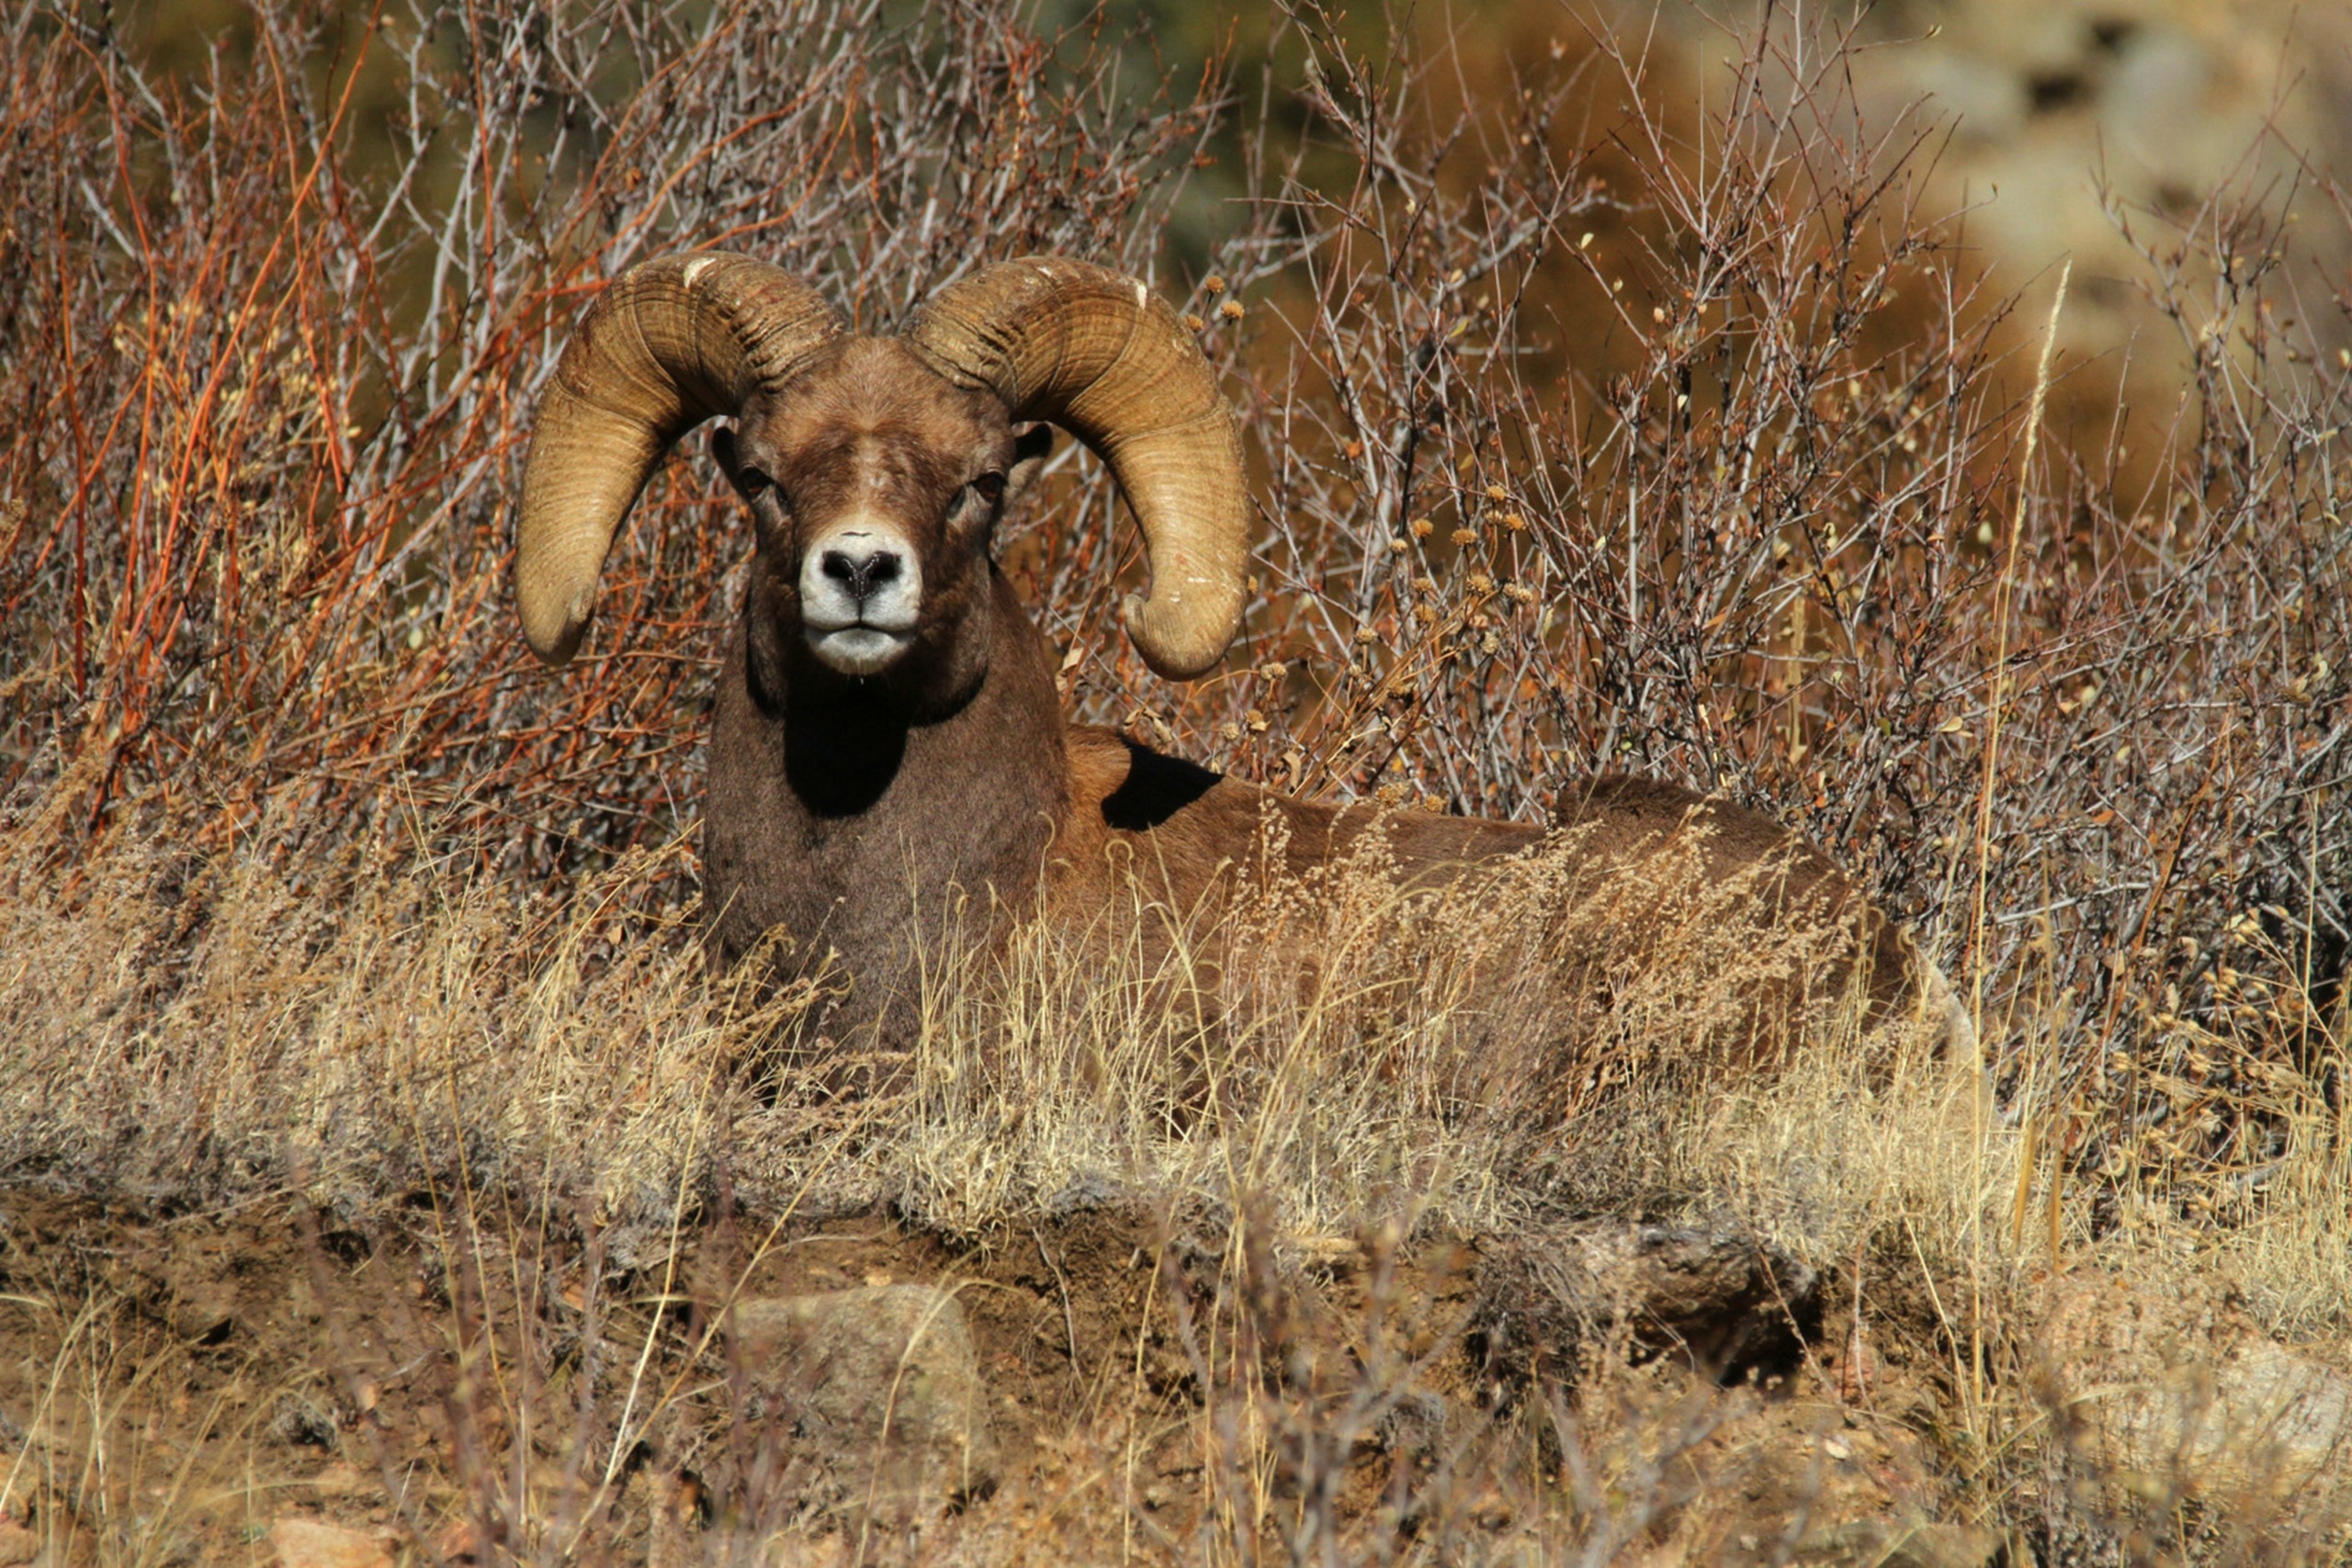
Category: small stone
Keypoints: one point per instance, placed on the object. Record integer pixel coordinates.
(301, 1421)
(883, 1390)
(1721, 1298)
(308, 1543)
(204, 1314)
(2177, 1387)
(341, 1479)
(458, 1541)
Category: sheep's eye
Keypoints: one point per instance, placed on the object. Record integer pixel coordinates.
(988, 487)
(752, 479)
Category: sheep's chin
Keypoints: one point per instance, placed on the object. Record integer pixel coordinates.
(860, 649)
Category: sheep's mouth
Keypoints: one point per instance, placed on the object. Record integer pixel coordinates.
(860, 647)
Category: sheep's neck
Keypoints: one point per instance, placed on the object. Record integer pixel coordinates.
(862, 830)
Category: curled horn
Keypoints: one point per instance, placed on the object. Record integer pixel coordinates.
(668, 344)
(1092, 350)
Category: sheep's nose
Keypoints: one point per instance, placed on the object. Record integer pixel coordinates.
(860, 574)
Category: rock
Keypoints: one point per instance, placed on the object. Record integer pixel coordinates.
(301, 1421)
(459, 1541)
(2175, 1393)
(882, 1392)
(341, 1479)
(203, 1314)
(308, 1543)
(2056, 108)
(1722, 1299)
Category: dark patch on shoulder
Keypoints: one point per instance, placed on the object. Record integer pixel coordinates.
(1155, 789)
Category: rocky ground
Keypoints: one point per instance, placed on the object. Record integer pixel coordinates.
(1106, 1384)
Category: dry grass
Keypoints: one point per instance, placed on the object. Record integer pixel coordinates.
(207, 1029)
(514, 1072)
(569, 1085)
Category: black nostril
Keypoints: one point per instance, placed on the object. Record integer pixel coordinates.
(861, 575)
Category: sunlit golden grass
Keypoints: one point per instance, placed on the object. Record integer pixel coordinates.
(1324, 1067)
(194, 1026)
(1350, 1051)
(190, 1026)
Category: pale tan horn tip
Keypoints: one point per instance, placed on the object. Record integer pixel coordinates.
(1174, 644)
(555, 638)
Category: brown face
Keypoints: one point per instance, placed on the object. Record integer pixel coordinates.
(875, 486)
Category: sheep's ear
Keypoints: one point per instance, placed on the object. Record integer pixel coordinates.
(731, 463)
(1030, 450)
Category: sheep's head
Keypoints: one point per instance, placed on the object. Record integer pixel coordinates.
(874, 485)
(876, 468)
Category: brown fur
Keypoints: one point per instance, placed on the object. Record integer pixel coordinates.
(871, 821)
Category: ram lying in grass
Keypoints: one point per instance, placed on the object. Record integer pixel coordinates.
(888, 734)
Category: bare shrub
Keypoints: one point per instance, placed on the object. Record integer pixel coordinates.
(2081, 735)
(281, 337)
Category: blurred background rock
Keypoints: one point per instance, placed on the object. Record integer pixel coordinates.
(2132, 137)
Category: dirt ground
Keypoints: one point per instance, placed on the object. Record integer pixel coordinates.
(494, 1388)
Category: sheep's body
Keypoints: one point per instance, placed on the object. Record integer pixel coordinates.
(890, 770)
(857, 827)
(876, 842)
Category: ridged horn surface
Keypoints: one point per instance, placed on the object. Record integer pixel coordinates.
(668, 344)
(1092, 350)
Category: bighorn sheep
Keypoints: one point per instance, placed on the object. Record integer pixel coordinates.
(887, 718)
